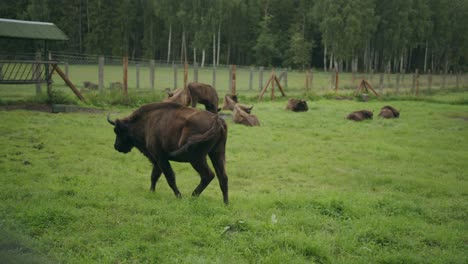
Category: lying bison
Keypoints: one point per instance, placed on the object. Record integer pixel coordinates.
(297, 105)
(239, 116)
(196, 93)
(231, 100)
(90, 85)
(360, 115)
(169, 131)
(389, 112)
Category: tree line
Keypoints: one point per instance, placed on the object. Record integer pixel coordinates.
(351, 35)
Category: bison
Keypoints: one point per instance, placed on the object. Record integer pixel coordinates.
(231, 100)
(90, 85)
(166, 132)
(360, 115)
(196, 93)
(239, 116)
(297, 105)
(389, 112)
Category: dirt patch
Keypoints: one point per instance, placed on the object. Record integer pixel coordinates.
(56, 108)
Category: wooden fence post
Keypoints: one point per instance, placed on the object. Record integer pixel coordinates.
(336, 80)
(37, 73)
(429, 80)
(185, 75)
(101, 73)
(230, 79)
(66, 70)
(417, 82)
(195, 72)
(174, 67)
(151, 75)
(251, 78)
(381, 83)
(307, 78)
(311, 72)
(233, 80)
(1, 71)
(457, 80)
(260, 78)
(398, 77)
(137, 67)
(444, 75)
(125, 76)
(214, 75)
(285, 78)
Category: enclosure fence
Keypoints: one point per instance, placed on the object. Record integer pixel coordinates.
(105, 73)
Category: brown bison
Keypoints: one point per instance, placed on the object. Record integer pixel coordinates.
(297, 105)
(389, 112)
(239, 116)
(196, 93)
(166, 132)
(90, 85)
(360, 115)
(231, 100)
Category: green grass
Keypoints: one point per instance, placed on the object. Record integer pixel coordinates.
(304, 188)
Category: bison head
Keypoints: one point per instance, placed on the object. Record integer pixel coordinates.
(123, 142)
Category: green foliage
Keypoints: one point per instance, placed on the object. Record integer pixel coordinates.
(306, 187)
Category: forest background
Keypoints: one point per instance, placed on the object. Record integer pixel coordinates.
(351, 35)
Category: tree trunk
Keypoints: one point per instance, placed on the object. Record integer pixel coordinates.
(228, 53)
(169, 44)
(194, 55)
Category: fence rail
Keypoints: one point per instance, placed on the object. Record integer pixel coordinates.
(104, 73)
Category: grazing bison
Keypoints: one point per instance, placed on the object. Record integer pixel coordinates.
(360, 115)
(231, 100)
(196, 93)
(239, 116)
(389, 112)
(169, 131)
(297, 105)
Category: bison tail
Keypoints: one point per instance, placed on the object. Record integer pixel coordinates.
(218, 126)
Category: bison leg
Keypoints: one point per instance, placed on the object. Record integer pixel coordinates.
(166, 168)
(218, 160)
(205, 172)
(155, 174)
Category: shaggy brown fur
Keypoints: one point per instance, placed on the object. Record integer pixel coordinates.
(360, 115)
(297, 105)
(166, 132)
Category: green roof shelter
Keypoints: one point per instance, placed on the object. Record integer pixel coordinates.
(10, 28)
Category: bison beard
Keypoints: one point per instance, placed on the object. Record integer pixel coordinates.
(168, 131)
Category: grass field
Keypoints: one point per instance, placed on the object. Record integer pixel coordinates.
(304, 188)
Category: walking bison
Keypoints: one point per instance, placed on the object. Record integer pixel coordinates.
(166, 132)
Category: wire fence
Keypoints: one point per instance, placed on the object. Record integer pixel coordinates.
(106, 72)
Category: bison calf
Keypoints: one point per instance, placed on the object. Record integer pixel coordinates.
(166, 132)
(360, 115)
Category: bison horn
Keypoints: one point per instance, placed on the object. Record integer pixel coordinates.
(109, 120)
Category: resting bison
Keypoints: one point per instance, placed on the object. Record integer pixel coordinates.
(297, 105)
(231, 100)
(389, 112)
(168, 131)
(360, 115)
(239, 116)
(90, 85)
(196, 93)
